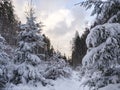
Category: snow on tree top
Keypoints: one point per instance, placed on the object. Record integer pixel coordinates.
(99, 39)
(100, 33)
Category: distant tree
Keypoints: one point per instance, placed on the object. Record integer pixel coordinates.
(83, 43)
(64, 57)
(76, 50)
(49, 48)
(8, 22)
(79, 48)
(51, 51)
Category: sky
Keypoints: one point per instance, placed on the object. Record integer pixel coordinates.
(62, 18)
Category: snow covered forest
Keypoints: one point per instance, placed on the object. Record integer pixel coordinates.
(28, 60)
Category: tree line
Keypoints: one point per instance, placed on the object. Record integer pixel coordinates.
(79, 48)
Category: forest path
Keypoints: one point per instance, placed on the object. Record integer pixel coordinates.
(72, 83)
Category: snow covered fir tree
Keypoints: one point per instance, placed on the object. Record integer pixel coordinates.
(27, 54)
(6, 62)
(101, 64)
(29, 60)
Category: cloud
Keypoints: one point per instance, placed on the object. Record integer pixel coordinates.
(57, 20)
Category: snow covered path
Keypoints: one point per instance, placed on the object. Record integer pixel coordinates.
(71, 83)
(68, 84)
(65, 84)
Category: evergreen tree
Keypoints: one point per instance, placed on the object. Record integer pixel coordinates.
(30, 46)
(105, 11)
(8, 22)
(83, 50)
(76, 50)
(101, 63)
(6, 61)
(79, 48)
(64, 57)
(49, 49)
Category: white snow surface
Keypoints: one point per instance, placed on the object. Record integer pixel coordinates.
(72, 83)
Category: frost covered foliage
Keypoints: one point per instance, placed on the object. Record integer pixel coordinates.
(3, 55)
(46, 73)
(105, 11)
(101, 65)
(57, 67)
(6, 54)
(27, 60)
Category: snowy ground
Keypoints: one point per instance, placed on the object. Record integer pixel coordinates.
(72, 83)
(64, 84)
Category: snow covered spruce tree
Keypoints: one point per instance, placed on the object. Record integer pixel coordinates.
(6, 62)
(27, 54)
(102, 61)
(101, 65)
